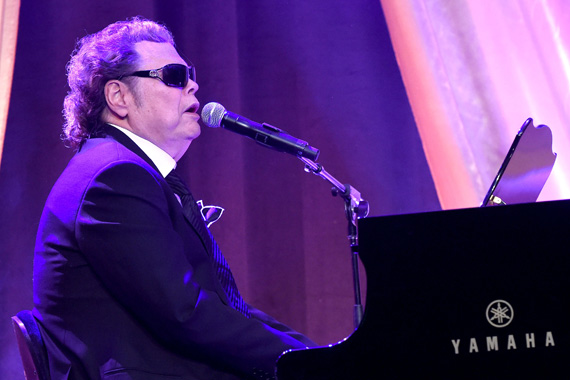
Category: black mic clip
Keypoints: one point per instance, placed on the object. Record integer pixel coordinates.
(277, 139)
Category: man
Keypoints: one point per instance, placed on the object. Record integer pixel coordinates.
(128, 282)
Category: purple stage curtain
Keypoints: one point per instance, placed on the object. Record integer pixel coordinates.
(324, 71)
(475, 70)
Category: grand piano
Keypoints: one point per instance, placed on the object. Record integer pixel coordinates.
(478, 293)
(438, 284)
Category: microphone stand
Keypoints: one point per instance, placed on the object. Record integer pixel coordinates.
(355, 208)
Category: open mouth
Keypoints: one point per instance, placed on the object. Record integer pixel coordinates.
(193, 108)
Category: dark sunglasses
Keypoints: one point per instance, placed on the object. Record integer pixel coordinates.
(173, 74)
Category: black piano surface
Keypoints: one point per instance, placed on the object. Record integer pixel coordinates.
(476, 293)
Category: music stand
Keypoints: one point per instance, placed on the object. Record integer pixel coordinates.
(525, 169)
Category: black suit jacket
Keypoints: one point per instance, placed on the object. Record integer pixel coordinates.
(124, 286)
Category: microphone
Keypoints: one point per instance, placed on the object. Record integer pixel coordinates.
(214, 115)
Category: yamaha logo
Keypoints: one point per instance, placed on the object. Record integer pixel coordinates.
(500, 313)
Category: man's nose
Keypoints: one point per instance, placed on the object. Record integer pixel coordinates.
(192, 86)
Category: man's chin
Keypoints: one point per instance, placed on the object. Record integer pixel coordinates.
(194, 134)
(193, 130)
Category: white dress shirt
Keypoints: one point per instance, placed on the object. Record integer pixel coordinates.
(163, 161)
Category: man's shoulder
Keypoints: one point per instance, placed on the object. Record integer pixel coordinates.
(105, 148)
(98, 153)
(98, 156)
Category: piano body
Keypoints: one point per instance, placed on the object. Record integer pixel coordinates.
(477, 293)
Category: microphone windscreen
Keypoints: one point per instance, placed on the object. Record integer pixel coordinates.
(212, 114)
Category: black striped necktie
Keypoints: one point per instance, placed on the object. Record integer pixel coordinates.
(194, 216)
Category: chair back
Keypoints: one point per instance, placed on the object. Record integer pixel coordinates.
(31, 345)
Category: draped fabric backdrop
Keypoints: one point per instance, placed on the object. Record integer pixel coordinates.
(324, 71)
(8, 35)
(474, 71)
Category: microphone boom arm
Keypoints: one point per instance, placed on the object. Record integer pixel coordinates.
(355, 208)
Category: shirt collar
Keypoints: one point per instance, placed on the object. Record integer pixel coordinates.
(163, 161)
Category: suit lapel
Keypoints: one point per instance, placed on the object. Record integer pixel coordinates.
(194, 218)
(195, 221)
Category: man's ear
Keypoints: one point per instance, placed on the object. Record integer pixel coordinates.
(115, 95)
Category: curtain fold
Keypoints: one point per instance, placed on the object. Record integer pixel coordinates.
(9, 10)
(474, 71)
(331, 80)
